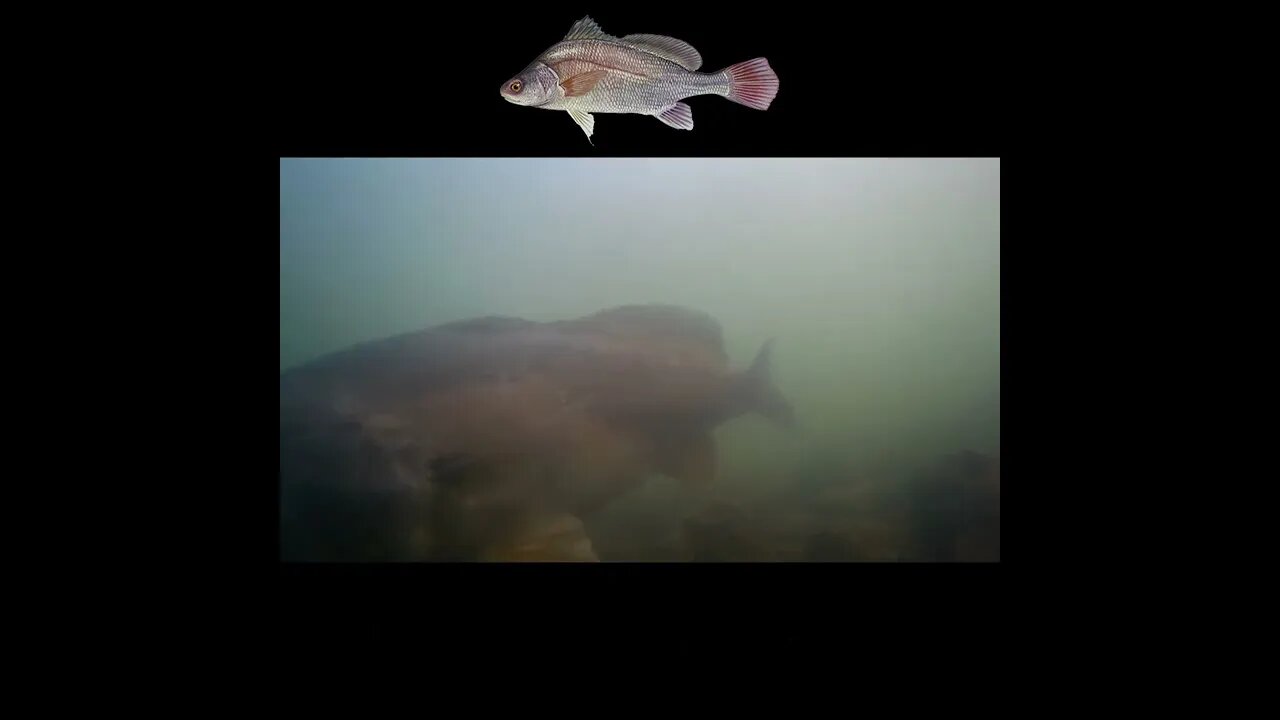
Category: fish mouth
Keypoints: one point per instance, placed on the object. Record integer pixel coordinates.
(513, 101)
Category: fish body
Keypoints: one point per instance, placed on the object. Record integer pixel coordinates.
(468, 439)
(590, 71)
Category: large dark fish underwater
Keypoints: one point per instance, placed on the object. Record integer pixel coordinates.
(490, 439)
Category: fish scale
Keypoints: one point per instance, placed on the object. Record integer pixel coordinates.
(635, 81)
(590, 71)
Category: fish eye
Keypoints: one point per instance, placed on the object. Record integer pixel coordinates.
(516, 86)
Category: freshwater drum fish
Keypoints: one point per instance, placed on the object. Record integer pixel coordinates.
(590, 71)
(497, 437)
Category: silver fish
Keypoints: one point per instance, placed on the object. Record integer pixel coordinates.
(590, 71)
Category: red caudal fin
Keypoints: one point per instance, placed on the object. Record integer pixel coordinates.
(752, 83)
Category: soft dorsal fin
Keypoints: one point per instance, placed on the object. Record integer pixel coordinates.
(587, 29)
(677, 51)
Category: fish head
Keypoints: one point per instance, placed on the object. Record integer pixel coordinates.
(535, 85)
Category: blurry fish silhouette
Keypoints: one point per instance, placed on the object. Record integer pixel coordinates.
(593, 72)
(491, 438)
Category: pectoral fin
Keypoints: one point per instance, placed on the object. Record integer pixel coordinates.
(582, 83)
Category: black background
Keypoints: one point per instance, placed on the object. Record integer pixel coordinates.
(852, 82)
(172, 355)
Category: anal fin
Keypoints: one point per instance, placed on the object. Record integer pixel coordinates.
(678, 116)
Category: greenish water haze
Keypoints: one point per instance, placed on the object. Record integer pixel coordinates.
(879, 278)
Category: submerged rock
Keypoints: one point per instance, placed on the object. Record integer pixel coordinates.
(955, 509)
(559, 538)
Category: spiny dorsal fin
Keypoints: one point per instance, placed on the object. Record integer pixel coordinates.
(587, 29)
(677, 51)
(491, 323)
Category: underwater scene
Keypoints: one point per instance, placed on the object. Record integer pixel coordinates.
(639, 360)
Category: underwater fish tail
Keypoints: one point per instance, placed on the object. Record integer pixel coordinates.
(762, 395)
